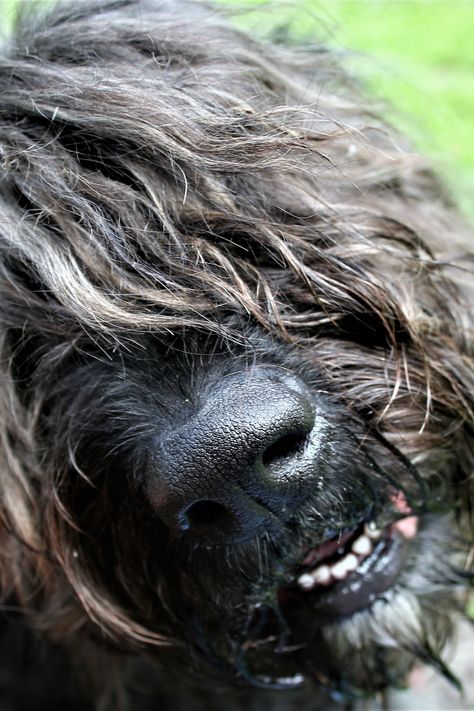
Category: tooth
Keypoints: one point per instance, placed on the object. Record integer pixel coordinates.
(322, 575)
(306, 581)
(371, 530)
(362, 546)
(340, 569)
(351, 561)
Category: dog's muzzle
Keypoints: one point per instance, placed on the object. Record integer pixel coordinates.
(243, 460)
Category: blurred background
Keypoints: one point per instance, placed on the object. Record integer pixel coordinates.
(417, 55)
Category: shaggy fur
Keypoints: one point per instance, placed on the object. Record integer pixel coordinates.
(179, 202)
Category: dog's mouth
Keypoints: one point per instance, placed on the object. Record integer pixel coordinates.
(348, 572)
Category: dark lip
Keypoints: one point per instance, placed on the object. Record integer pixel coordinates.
(375, 576)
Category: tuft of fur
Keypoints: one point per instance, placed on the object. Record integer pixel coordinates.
(177, 199)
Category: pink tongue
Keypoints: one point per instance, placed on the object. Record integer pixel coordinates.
(406, 526)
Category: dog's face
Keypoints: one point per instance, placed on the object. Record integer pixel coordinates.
(238, 409)
(251, 511)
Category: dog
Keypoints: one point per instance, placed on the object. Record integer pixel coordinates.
(237, 379)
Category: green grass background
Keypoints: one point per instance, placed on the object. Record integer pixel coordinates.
(416, 54)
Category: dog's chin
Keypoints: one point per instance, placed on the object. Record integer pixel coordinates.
(336, 581)
(337, 584)
(355, 612)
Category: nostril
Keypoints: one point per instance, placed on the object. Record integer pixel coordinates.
(207, 513)
(284, 447)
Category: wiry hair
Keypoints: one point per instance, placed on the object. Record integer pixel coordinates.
(158, 181)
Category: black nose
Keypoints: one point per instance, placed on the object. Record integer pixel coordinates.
(243, 461)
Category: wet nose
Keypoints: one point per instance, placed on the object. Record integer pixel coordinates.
(241, 461)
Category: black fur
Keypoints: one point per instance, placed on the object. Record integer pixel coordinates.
(187, 213)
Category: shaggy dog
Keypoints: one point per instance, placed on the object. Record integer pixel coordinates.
(236, 411)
